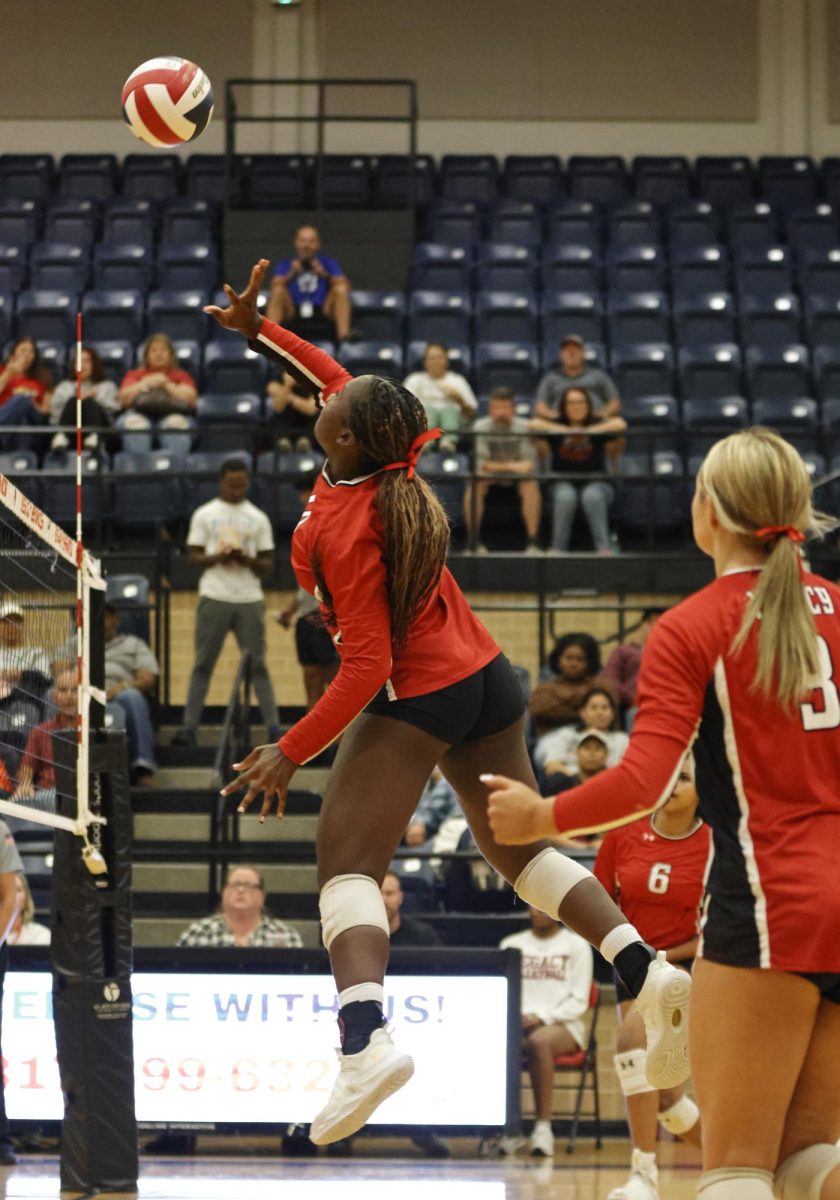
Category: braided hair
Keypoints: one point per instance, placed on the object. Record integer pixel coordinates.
(385, 421)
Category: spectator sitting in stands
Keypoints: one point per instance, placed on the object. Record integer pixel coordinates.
(592, 752)
(572, 449)
(404, 931)
(292, 418)
(556, 751)
(575, 663)
(25, 390)
(503, 448)
(26, 931)
(231, 540)
(157, 398)
(310, 293)
(241, 919)
(24, 670)
(99, 402)
(437, 804)
(36, 774)
(622, 666)
(573, 369)
(446, 396)
(556, 982)
(131, 674)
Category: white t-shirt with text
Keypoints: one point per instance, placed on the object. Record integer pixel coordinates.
(218, 525)
(556, 977)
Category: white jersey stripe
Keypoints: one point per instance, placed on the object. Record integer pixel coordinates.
(744, 834)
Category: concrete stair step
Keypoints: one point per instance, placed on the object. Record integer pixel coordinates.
(192, 877)
(177, 778)
(195, 827)
(165, 931)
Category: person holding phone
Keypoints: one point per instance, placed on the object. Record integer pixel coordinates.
(310, 293)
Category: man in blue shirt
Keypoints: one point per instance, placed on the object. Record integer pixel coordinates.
(310, 290)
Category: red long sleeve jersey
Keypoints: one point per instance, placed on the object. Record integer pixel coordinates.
(338, 555)
(768, 780)
(657, 880)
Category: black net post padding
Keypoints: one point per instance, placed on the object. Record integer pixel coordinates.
(92, 963)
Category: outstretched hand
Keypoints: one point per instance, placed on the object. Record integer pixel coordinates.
(266, 769)
(242, 315)
(518, 815)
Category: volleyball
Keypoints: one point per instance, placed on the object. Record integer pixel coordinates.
(167, 101)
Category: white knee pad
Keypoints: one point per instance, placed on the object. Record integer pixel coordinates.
(630, 1069)
(547, 880)
(735, 1183)
(350, 900)
(801, 1176)
(680, 1117)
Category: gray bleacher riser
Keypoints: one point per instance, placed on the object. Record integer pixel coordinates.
(195, 827)
(192, 877)
(164, 931)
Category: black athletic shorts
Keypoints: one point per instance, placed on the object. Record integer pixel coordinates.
(314, 645)
(827, 982)
(621, 991)
(478, 706)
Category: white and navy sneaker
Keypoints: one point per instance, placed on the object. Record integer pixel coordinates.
(663, 1004)
(364, 1081)
(643, 1181)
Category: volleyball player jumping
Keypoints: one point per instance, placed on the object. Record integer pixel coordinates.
(421, 683)
(750, 667)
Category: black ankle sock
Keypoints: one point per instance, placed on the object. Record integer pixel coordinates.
(356, 1022)
(632, 965)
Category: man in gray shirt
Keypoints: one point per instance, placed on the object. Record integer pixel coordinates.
(505, 455)
(131, 672)
(572, 370)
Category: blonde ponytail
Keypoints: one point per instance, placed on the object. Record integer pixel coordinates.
(755, 480)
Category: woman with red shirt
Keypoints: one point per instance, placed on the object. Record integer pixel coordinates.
(655, 870)
(157, 398)
(747, 671)
(25, 389)
(421, 683)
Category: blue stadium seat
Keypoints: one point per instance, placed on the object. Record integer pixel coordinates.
(73, 222)
(601, 178)
(88, 176)
(634, 317)
(46, 315)
(113, 316)
(817, 226)
(137, 228)
(506, 364)
(536, 177)
(117, 356)
(710, 372)
(380, 315)
(778, 373)
(204, 177)
(233, 367)
(703, 267)
(819, 273)
(276, 475)
(393, 183)
(189, 266)
(752, 226)
(188, 219)
(454, 227)
(58, 494)
(797, 419)
(439, 317)
(504, 268)
(460, 357)
(572, 312)
(768, 270)
(570, 267)
(373, 358)
(469, 177)
(117, 267)
(822, 320)
(189, 355)
(651, 491)
(26, 176)
(279, 180)
(60, 267)
(661, 178)
(706, 420)
(440, 267)
(13, 268)
(448, 475)
(227, 421)
(787, 181)
(726, 181)
(826, 361)
(506, 317)
(632, 223)
(18, 222)
(644, 370)
(705, 319)
(178, 314)
(692, 223)
(516, 229)
(151, 176)
(574, 221)
(770, 320)
(638, 268)
(829, 178)
(345, 180)
(657, 416)
(147, 488)
(130, 595)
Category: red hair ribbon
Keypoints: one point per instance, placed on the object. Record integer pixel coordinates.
(414, 452)
(780, 531)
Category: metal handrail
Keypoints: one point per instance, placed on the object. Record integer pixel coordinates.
(233, 743)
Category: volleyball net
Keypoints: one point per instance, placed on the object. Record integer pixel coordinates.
(46, 583)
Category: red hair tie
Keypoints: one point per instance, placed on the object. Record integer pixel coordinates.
(414, 452)
(780, 531)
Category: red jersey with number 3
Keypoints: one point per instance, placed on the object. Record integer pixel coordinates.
(768, 779)
(656, 880)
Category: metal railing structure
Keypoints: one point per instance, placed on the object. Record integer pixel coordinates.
(234, 744)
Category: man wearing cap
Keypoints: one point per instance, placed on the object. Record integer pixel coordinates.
(592, 750)
(16, 658)
(573, 369)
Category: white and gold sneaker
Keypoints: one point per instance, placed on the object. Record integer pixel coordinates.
(663, 1004)
(364, 1081)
